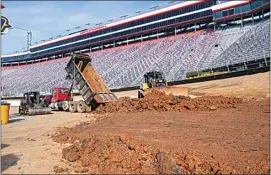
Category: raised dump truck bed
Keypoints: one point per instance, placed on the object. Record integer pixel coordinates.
(88, 82)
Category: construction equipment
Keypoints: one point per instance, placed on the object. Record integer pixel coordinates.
(89, 84)
(156, 80)
(59, 98)
(32, 104)
(46, 99)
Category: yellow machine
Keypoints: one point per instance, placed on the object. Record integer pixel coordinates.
(156, 80)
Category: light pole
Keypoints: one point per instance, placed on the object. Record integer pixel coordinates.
(29, 36)
(99, 24)
(124, 16)
(138, 12)
(155, 7)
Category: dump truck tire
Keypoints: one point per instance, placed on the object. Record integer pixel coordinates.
(21, 111)
(81, 106)
(72, 107)
(65, 105)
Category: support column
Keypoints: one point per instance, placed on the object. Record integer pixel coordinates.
(227, 66)
(262, 15)
(242, 25)
(265, 59)
(195, 28)
(252, 19)
(175, 31)
(245, 64)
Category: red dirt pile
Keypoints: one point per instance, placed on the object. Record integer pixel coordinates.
(121, 154)
(159, 101)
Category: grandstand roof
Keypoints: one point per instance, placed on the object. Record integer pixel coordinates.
(230, 4)
(15, 54)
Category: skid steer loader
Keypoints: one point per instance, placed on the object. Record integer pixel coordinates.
(156, 80)
(32, 104)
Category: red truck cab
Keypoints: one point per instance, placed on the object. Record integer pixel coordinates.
(61, 94)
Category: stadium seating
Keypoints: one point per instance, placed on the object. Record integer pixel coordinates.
(236, 45)
(124, 66)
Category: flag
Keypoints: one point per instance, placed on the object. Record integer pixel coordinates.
(4, 25)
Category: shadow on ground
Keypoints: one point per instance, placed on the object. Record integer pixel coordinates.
(8, 161)
(4, 145)
(15, 120)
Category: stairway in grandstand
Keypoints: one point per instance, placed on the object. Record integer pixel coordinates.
(124, 66)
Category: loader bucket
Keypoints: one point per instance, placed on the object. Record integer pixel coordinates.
(176, 91)
(39, 111)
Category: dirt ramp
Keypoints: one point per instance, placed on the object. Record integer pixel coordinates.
(121, 154)
(159, 101)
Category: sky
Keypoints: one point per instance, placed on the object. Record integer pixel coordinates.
(48, 19)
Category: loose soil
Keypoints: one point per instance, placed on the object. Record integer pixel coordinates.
(159, 101)
(233, 137)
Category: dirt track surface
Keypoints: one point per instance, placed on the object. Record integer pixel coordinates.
(26, 144)
(230, 137)
(247, 87)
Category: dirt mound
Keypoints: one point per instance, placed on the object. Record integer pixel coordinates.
(224, 141)
(159, 101)
(121, 154)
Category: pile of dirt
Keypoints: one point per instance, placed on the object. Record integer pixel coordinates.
(121, 154)
(224, 141)
(159, 101)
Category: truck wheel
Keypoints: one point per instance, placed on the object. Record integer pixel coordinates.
(21, 111)
(81, 106)
(65, 105)
(72, 107)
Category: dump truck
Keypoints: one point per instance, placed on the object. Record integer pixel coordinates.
(89, 84)
(156, 80)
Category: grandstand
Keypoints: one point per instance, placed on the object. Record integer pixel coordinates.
(185, 37)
